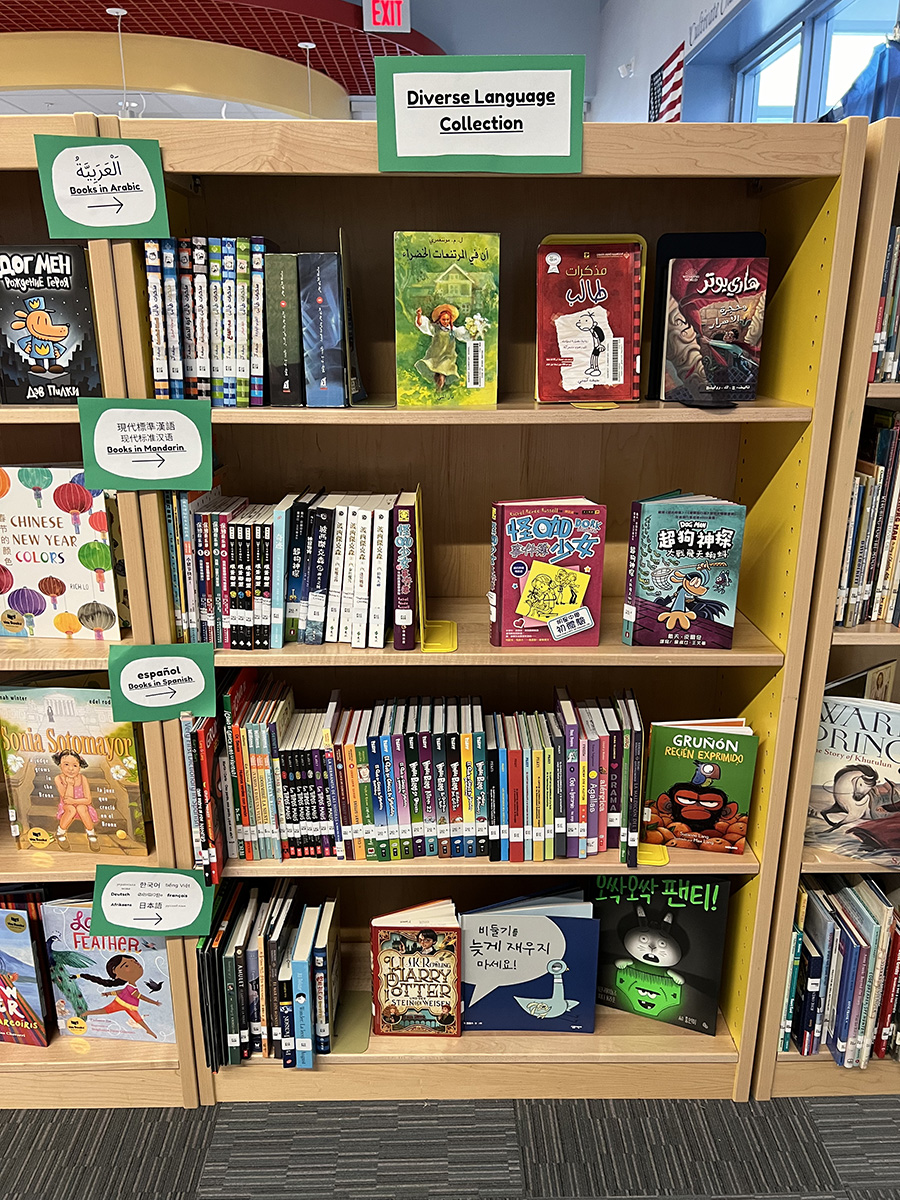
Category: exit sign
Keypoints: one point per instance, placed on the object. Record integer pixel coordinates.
(386, 15)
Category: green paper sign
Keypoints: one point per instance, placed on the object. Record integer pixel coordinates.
(146, 445)
(159, 683)
(513, 114)
(101, 187)
(156, 901)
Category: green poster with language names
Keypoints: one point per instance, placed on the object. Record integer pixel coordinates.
(159, 683)
(146, 445)
(156, 901)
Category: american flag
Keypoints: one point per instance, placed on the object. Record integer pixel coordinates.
(665, 88)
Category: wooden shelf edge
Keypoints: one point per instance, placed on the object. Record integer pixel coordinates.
(872, 633)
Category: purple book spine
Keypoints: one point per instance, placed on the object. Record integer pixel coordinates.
(404, 539)
(404, 821)
(593, 794)
(426, 783)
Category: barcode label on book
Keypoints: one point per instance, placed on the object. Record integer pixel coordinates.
(570, 623)
(617, 361)
(629, 612)
(475, 364)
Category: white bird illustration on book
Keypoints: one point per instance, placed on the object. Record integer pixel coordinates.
(557, 1004)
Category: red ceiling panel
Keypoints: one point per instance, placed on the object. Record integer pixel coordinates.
(343, 50)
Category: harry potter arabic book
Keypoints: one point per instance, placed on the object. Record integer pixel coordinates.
(415, 971)
(446, 298)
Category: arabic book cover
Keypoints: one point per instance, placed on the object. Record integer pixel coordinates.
(74, 776)
(114, 987)
(661, 944)
(714, 327)
(48, 352)
(446, 300)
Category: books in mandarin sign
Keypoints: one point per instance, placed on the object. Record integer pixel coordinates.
(854, 802)
(546, 571)
(113, 987)
(74, 776)
(530, 965)
(446, 296)
(48, 352)
(589, 292)
(700, 784)
(661, 944)
(415, 971)
(26, 1014)
(681, 583)
(56, 567)
(714, 328)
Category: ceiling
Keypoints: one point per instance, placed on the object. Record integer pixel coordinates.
(343, 51)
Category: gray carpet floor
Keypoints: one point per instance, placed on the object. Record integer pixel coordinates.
(819, 1149)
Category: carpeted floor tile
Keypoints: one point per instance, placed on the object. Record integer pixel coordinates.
(377, 1149)
(636, 1148)
(859, 1135)
(102, 1154)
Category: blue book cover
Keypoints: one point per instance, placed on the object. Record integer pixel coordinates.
(322, 325)
(302, 988)
(23, 1006)
(524, 970)
(376, 778)
(390, 794)
(839, 1030)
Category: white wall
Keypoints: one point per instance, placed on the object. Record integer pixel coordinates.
(646, 30)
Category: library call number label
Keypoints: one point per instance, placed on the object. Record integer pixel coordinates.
(156, 901)
(159, 683)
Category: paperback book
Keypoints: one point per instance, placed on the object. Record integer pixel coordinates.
(25, 1012)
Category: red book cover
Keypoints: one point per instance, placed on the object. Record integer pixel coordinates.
(415, 972)
(888, 995)
(714, 328)
(546, 571)
(515, 784)
(589, 321)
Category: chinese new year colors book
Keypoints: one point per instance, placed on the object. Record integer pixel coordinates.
(56, 566)
(681, 583)
(546, 571)
(415, 971)
(589, 294)
(446, 300)
(661, 944)
(713, 328)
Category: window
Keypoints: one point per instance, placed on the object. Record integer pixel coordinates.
(807, 65)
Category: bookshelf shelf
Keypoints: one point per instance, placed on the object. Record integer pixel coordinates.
(751, 648)
(873, 633)
(883, 391)
(46, 654)
(825, 862)
(694, 862)
(55, 865)
(819, 1075)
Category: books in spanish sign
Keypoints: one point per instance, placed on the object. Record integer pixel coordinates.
(158, 683)
(143, 445)
(160, 901)
(101, 187)
(511, 114)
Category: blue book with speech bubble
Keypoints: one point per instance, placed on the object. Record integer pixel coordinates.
(530, 965)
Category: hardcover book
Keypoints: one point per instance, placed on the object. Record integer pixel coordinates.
(546, 571)
(589, 318)
(24, 1008)
(48, 352)
(714, 328)
(106, 987)
(699, 785)
(661, 945)
(415, 971)
(854, 803)
(322, 323)
(446, 295)
(530, 966)
(74, 776)
(681, 583)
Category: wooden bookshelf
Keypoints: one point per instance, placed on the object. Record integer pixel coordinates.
(799, 183)
(833, 652)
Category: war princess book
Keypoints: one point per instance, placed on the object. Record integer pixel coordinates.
(24, 1006)
(661, 944)
(48, 352)
(589, 318)
(546, 571)
(415, 971)
(681, 583)
(446, 300)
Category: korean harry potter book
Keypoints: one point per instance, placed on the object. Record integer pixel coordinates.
(546, 571)
(589, 292)
(48, 353)
(446, 299)
(681, 583)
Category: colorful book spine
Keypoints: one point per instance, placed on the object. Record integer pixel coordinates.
(257, 321)
(200, 268)
(229, 321)
(405, 568)
(216, 344)
(242, 320)
(188, 332)
(156, 311)
(169, 255)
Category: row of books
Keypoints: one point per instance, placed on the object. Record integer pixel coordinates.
(869, 586)
(885, 361)
(241, 327)
(843, 980)
(316, 567)
(55, 976)
(423, 777)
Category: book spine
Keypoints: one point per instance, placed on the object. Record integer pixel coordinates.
(248, 813)
(330, 767)
(401, 788)
(414, 788)
(229, 322)
(365, 844)
(602, 791)
(318, 580)
(572, 791)
(629, 609)
(186, 298)
(320, 982)
(169, 253)
(348, 576)
(218, 588)
(614, 810)
(503, 786)
(468, 793)
(376, 779)
(286, 1022)
(793, 971)
(382, 575)
(296, 554)
(559, 795)
(390, 796)
(441, 793)
(481, 796)
(200, 267)
(304, 1031)
(404, 540)
(169, 502)
(282, 319)
(593, 797)
(216, 345)
(265, 632)
(516, 806)
(360, 612)
(454, 779)
(225, 549)
(429, 803)
(232, 1025)
(336, 572)
(234, 793)
(280, 518)
(242, 320)
(549, 805)
(882, 300)
(240, 981)
(321, 323)
(495, 594)
(257, 321)
(343, 794)
(492, 782)
(191, 782)
(156, 303)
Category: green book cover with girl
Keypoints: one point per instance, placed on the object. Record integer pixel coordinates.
(446, 297)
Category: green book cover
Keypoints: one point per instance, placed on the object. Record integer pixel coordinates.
(446, 295)
(699, 785)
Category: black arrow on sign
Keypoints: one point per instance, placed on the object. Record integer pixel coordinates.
(149, 458)
(116, 203)
(170, 692)
(157, 917)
